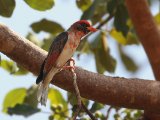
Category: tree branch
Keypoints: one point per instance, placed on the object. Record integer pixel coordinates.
(116, 91)
(105, 21)
(21, 50)
(147, 31)
(149, 36)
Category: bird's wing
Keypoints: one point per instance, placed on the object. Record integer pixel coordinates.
(54, 52)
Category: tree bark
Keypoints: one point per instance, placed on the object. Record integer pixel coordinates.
(147, 31)
(116, 91)
(21, 50)
(149, 36)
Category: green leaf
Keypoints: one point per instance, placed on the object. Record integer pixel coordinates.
(33, 38)
(120, 21)
(73, 100)
(58, 117)
(7, 7)
(96, 106)
(40, 5)
(104, 61)
(47, 43)
(129, 64)
(138, 114)
(117, 116)
(56, 98)
(130, 24)
(99, 66)
(132, 39)
(157, 18)
(111, 6)
(8, 66)
(20, 71)
(95, 11)
(31, 97)
(23, 109)
(98, 114)
(120, 38)
(14, 97)
(84, 4)
(100, 11)
(11, 67)
(90, 11)
(47, 26)
(51, 117)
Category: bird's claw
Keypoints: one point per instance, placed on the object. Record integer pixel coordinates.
(70, 65)
(71, 60)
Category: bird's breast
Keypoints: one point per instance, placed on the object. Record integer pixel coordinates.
(73, 42)
(68, 51)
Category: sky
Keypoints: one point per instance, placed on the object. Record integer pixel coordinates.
(64, 12)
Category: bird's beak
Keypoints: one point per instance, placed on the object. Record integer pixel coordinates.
(92, 29)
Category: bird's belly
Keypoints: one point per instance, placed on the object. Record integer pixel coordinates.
(67, 52)
(65, 56)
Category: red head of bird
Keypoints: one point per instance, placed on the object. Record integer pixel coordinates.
(82, 28)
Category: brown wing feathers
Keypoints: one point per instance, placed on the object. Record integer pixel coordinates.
(54, 52)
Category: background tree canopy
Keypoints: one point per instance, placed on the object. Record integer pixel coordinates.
(112, 49)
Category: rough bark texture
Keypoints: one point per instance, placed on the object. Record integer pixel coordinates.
(149, 36)
(122, 92)
(20, 49)
(147, 31)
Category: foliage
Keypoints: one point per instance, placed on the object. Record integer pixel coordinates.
(7, 7)
(104, 61)
(14, 97)
(22, 109)
(40, 5)
(83, 4)
(47, 26)
(12, 67)
(127, 61)
(22, 101)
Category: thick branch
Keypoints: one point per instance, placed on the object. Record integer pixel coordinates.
(147, 31)
(130, 93)
(149, 36)
(21, 50)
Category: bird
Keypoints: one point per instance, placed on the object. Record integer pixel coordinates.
(60, 51)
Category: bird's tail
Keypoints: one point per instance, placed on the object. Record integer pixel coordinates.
(43, 86)
(42, 93)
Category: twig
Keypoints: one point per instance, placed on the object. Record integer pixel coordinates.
(105, 21)
(88, 112)
(108, 111)
(78, 96)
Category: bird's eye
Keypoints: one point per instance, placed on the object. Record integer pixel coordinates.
(79, 28)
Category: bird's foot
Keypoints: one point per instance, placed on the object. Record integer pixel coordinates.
(70, 65)
(71, 62)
